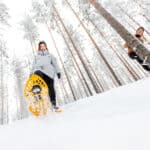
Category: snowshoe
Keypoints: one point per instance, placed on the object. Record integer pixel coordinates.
(36, 93)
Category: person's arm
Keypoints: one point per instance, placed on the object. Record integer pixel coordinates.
(142, 40)
(125, 45)
(56, 66)
(128, 47)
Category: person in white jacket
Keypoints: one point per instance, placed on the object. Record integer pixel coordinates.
(45, 65)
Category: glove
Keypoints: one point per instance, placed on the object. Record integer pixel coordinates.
(58, 75)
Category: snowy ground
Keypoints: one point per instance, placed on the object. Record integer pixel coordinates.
(115, 120)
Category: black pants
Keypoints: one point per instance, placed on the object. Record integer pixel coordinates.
(50, 83)
(133, 55)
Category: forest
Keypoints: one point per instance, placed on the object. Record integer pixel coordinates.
(86, 36)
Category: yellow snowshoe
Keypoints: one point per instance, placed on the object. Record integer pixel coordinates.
(36, 93)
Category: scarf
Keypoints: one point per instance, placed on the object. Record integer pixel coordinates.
(43, 52)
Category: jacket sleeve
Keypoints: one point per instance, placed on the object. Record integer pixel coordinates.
(33, 65)
(55, 64)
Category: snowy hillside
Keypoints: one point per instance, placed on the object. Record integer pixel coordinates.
(115, 120)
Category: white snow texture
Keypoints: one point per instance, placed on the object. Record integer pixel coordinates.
(115, 120)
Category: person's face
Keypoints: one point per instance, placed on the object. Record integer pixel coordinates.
(42, 47)
(140, 32)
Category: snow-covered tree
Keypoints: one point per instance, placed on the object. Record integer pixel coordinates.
(30, 31)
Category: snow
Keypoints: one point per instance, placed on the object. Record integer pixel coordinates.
(115, 120)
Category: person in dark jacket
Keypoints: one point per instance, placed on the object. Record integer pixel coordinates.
(131, 53)
(45, 65)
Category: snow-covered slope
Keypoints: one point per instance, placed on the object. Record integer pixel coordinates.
(115, 120)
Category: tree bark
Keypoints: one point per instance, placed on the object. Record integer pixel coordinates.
(96, 46)
(87, 86)
(132, 41)
(77, 51)
(66, 74)
(125, 63)
(132, 19)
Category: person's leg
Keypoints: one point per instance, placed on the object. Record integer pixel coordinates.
(50, 83)
(52, 92)
(146, 67)
(132, 55)
(53, 96)
(40, 73)
(139, 60)
(51, 89)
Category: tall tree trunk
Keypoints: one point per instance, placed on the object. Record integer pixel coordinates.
(20, 95)
(96, 46)
(64, 91)
(125, 63)
(76, 63)
(131, 18)
(92, 70)
(133, 42)
(78, 53)
(65, 71)
(32, 47)
(148, 20)
(2, 97)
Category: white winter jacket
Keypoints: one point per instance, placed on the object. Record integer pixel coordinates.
(45, 62)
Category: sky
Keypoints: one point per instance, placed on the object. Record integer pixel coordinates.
(17, 46)
(14, 35)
